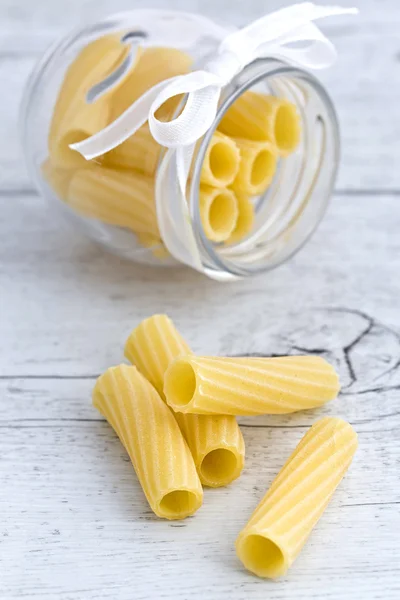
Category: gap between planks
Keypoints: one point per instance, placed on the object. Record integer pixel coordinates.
(28, 191)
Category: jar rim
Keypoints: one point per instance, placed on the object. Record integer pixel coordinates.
(211, 255)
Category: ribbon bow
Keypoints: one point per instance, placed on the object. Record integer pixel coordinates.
(272, 36)
(269, 36)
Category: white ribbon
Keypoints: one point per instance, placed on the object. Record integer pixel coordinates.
(266, 37)
(272, 36)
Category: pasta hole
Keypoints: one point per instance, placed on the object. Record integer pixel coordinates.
(262, 556)
(224, 162)
(263, 167)
(218, 467)
(286, 128)
(180, 383)
(178, 504)
(222, 215)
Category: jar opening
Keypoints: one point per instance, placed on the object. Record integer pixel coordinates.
(299, 185)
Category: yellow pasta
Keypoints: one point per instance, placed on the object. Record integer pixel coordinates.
(153, 440)
(58, 179)
(140, 152)
(221, 161)
(217, 447)
(74, 119)
(216, 442)
(154, 65)
(115, 197)
(249, 386)
(245, 220)
(218, 212)
(260, 117)
(257, 166)
(283, 520)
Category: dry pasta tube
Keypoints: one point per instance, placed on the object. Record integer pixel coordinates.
(154, 65)
(245, 220)
(57, 179)
(153, 440)
(115, 197)
(249, 386)
(257, 167)
(260, 117)
(285, 517)
(216, 442)
(218, 212)
(140, 152)
(74, 119)
(221, 161)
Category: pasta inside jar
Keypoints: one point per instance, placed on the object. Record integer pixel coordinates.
(259, 179)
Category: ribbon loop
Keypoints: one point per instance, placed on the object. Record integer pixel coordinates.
(203, 89)
(269, 36)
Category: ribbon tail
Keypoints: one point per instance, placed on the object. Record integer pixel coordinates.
(184, 157)
(253, 40)
(320, 53)
(122, 128)
(173, 214)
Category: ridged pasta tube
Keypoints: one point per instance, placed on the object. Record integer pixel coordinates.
(257, 166)
(58, 179)
(153, 440)
(221, 161)
(140, 152)
(283, 520)
(154, 65)
(249, 386)
(74, 119)
(115, 197)
(218, 212)
(262, 117)
(216, 442)
(245, 220)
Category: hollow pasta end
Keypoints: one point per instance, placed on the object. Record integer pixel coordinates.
(180, 384)
(262, 556)
(178, 504)
(219, 467)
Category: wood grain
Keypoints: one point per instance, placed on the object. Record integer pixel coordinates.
(76, 504)
(74, 523)
(60, 457)
(81, 302)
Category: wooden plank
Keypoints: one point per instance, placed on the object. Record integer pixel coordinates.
(68, 306)
(48, 16)
(46, 402)
(90, 517)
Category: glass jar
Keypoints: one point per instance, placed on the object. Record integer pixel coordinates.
(285, 215)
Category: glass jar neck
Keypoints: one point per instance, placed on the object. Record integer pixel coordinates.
(290, 210)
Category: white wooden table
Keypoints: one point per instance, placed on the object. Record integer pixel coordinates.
(73, 521)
